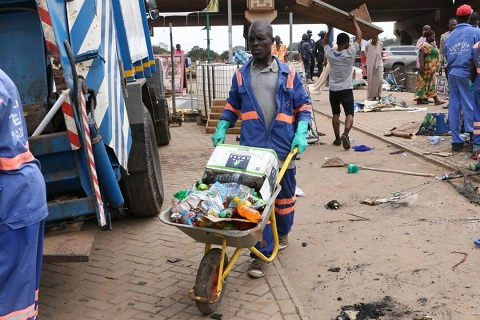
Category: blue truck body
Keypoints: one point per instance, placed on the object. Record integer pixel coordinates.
(94, 59)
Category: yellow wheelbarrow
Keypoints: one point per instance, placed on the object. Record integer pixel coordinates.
(215, 266)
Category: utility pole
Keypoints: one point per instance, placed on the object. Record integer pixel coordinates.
(208, 38)
(290, 20)
(174, 106)
(230, 50)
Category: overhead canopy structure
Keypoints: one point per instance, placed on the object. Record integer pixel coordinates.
(410, 15)
(325, 13)
(380, 10)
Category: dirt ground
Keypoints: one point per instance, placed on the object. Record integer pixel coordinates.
(398, 261)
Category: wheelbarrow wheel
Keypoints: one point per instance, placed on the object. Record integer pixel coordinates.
(207, 280)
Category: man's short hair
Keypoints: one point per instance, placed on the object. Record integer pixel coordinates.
(261, 24)
(342, 39)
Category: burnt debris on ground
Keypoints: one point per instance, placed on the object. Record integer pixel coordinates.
(386, 308)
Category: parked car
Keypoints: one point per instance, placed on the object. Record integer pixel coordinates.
(399, 56)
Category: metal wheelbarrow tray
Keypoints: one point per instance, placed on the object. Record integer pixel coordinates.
(235, 238)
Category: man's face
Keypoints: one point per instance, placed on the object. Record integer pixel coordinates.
(309, 35)
(374, 40)
(277, 40)
(260, 42)
(452, 24)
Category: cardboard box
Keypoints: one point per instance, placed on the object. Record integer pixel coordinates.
(257, 167)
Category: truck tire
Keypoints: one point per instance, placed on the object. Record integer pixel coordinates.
(144, 190)
(163, 133)
(163, 127)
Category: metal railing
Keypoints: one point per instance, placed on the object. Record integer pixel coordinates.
(213, 82)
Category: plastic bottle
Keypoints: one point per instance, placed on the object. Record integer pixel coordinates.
(209, 178)
(475, 166)
(249, 213)
(435, 139)
(226, 213)
(182, 194)
(203, 222)
(241, 202)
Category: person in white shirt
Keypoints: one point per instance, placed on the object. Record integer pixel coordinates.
(341, 85)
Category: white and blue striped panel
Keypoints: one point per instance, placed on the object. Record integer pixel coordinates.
(92, 27)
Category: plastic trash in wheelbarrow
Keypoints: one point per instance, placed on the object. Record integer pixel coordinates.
(235, 238)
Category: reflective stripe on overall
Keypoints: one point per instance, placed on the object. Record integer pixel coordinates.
(476, 105)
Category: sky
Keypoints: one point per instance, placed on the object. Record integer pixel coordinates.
(188, 37)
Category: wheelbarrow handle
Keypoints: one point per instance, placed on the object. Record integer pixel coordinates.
(286, 163)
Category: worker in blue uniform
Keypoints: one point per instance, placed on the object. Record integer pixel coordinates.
(23, 208)
(276, 114)
(475, 80)
(458, 54)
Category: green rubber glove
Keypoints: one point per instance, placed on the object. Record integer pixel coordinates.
(220, 132)
(300, 139)
(471, 85)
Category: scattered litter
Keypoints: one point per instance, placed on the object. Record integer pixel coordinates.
(337, 162)
(477, 242)
(468, 190)
(362, 148)
(358, 107)
(217, 316)
(352, 168)
(465, 255)
(363, 311)
(142, 283)
(299, 192)
(332, 205)
(375, 202)
(419, 109)
(351, 214)
(334, 269)
(435, 139)
(423, 317)
(397, 152)
(174, 260)
(405, 130)
(304, 244)
(440, 154)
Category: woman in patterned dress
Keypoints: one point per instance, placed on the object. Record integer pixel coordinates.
(426, 86)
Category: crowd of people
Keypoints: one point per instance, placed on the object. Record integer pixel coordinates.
(284, 128)
(457, 56)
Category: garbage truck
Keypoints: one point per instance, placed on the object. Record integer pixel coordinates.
(92, 95)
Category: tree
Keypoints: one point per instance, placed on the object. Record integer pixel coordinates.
(224, 55)
(200, 54)
(161, 48)
(390, 42)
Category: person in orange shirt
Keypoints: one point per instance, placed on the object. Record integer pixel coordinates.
(279, 50)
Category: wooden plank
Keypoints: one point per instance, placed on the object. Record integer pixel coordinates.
(68, 247)
(362, 13)
(330, 15)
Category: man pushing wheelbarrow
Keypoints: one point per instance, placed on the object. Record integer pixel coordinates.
(276, 113)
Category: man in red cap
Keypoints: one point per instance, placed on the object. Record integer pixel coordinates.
(458, 53)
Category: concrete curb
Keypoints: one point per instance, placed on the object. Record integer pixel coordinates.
(398, 145)
(291, 291)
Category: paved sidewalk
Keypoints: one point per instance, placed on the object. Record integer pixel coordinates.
(143, 269)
